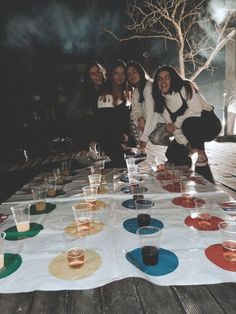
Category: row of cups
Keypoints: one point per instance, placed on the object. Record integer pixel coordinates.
(86, 216)
(200, 209)
(149, 237)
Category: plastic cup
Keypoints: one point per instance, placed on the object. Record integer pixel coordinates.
(228, 240)
(95, 179)
(133, 179)
(132, 169)
(75, 257)
(90, 194)
(39, 195)
(65, 167)
(58, 175)
(187, 192)
(2, 242)
(95, 169)
(82, 213)
(21, 214)
(143, 211)
(137, 191)
(51, 186)
(149, 238)
(204, 208)
(130, 161)
(101, 163)
(75, 251)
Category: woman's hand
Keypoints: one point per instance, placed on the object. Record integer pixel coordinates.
(142, 145)
(141, 124)
(170, 127)
(126, 137)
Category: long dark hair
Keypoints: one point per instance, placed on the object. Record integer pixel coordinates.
(86, 81)
(144, 77)
(176, 84)
(118, 92)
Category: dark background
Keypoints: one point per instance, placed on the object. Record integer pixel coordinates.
(45, 45)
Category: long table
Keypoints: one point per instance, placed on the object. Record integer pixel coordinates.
(183, 289)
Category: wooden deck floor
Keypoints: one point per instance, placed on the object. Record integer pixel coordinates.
(222, 157)
(222, 160)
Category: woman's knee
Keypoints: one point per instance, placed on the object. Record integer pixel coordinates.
(188, 125)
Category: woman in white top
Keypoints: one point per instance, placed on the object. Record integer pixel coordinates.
(142, 110)
(187, 115)
(113, 115)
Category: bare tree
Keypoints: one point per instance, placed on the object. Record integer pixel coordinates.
(188, 23)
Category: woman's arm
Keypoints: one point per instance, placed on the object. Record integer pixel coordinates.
(171, 127)
(136, 107)
(152, 118)
(194, 108)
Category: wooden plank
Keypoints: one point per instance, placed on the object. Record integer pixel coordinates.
(157, 299)
(120, 297)
(16, 303)
(225, 296)
(48, 302)
(84, 301)
(197, 299)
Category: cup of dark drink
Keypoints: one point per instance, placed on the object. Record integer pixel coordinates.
(149, 238)
(143, 211)
(137, 191)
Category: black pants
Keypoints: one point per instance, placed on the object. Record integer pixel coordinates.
(197, 130)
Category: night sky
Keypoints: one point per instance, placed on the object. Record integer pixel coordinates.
(70, 27)
(38, 36)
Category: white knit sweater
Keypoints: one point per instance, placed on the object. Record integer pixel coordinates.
(145, 110)
(195, 106)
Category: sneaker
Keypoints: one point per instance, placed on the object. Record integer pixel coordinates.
(202, 159)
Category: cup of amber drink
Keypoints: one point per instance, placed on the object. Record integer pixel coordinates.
(90, 194)
(21, 214)
(82, 213)
(2, 240)
(51, 186)
(95, 179)
(75, 251)
(65, 167)
(203, 208)
(228, 240)
(75, 257)
(39, 195)
(187, 192)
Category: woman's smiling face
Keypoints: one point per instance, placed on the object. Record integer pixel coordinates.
(95, 74)
(133, 76)
(118, 75)
(163, 81)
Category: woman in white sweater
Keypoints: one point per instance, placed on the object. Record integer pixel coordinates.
(187, 115)
(142, 110)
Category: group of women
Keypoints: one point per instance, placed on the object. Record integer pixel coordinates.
(108, 101)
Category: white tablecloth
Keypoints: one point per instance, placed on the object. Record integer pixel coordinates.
(114, 241)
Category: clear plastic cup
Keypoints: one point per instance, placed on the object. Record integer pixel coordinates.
(21, 214)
